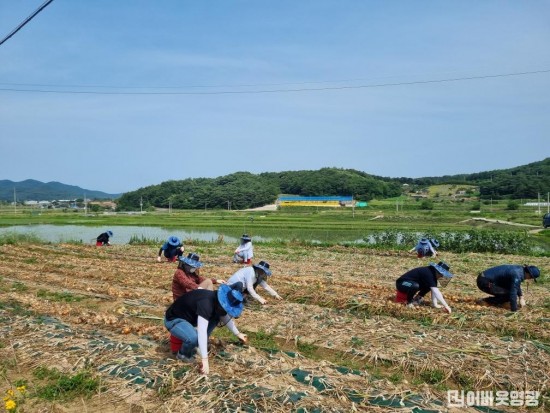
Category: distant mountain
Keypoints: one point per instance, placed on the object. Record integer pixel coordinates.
(31, 190)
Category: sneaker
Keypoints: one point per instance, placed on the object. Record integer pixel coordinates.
(184, 358)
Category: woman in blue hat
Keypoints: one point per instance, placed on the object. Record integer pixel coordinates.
(251, 277)
(245, 251)
(103, 239)
(416, 283)
(503, 283)
(187, 277)
(425, 248)
(172, 249)
(194, 315)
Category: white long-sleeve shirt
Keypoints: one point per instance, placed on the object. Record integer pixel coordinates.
(437, 296)
(247, 276)
(202, 332)
(245, 250)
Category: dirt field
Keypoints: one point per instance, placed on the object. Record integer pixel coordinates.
(337, 343)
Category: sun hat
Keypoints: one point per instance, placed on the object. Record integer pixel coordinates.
(264, 266)
(246, 238)
(534, 271)
(192, 260)
(173, 240)
(443, 268)
(434, 242)
(231, 299)
(110, 233)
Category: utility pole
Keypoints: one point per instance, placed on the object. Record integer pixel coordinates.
(539, 202)
(85, 205)
(14, 201)
(141, 204)
(229, 205)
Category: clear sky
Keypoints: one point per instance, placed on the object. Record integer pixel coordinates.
(117, 95)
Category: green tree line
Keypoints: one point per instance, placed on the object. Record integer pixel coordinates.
(243, 190)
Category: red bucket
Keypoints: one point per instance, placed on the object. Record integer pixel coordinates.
(175, 343)
(400, 297)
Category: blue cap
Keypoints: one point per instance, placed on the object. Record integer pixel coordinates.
(192, 260)
(173, 240)
(264, 266)
(443, 268)
(231, 299)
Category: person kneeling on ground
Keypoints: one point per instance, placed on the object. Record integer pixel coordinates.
(187, 277)
(503, 283)
(194, 315)
(416, 283)
(172, 249)
(251, 277)
(244, 252)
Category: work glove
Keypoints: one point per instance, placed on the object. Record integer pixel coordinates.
(262, 301)
(220, 281)
(205, 369)
(243, 338)
(522, 302)
(158, 258)
(448, 309)
(436, 305)
(278, 297)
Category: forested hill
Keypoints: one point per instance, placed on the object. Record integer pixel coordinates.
(243, 190)
(515, 183)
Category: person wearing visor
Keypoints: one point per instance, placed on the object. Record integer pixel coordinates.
(172, 249)
(251, 277)
(187, 277)
(503, 283)
(416, 283)
(194, 315)
(425, 248)
(245, 251)
(103, 239)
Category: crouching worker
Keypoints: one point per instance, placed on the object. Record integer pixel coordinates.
(172, 249)
(187, 277)
(425, 248)
(103, 238)
(245, 251)
(503, 283)
(251, 277)
(416, 283)
(194, 315)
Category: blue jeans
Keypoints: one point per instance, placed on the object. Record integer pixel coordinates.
(183, 330)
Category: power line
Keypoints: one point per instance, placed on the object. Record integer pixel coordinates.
(28, 19)
(246, 92)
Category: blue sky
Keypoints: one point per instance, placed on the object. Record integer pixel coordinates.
(186, 89)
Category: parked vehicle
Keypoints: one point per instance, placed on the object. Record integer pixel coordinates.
(546, 220)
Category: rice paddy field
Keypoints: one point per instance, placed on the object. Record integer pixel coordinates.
(81, 330)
